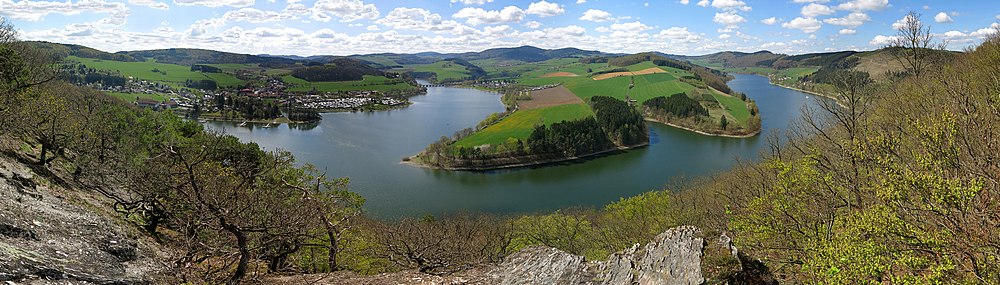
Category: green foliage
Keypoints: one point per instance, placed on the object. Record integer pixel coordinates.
(678, 104)
(569, 138)
(334, 73)
(173, 74)
(520, 124)
(622, 123)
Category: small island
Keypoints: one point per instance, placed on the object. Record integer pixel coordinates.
(572, 108)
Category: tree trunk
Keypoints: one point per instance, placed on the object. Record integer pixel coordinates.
(241, 243)
(41, 156)
(332, 259)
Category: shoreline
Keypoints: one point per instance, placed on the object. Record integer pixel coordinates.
(273, 122)
(824, 95)
(410, 160)
(749, 135)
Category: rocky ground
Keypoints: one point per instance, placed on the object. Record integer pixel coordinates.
(677, 256)
(53, 234)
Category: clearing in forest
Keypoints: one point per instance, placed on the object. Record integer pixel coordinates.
(555, 96)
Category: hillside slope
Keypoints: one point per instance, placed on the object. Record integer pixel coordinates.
(52, 230)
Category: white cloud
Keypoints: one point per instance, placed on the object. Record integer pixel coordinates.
(150, 3)
(571, 31)
(421, 20)
(881, 40)
(812, 10)
(684, 2)
(346, 10)
(533, 24)
(704, 3)
(254, 15)
(899, 24)
(943, 18)
(730, 5)
(33, 11)
(476, 16)
(724, 36)
(679, 34)
(630, 27)
(372, 28)
(770, 21)
(969, 38)
(544, 9)
(864, 5)
(215, 3)
(595, 15)
(472, 2)
(201, 27)
(581, 1)
(729, 19)
(806, 25)
(810, 1)
(852, 20)
(847, 32)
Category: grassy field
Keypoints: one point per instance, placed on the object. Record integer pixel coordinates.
(646, 86)
(369, 83)
(797, 72)
(128, 97)
(233, 67)
(444, 70)
(520, 124)
(735, 107)
(171, 74)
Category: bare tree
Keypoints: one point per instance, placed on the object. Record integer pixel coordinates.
(442, 246)
(913, 44)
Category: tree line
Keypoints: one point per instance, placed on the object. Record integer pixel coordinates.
(678, 104)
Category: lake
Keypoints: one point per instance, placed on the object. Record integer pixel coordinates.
(368, 146)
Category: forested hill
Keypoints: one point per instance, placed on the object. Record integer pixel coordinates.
(523, 54)
(877, 63)
(528, 54)
(180, 56)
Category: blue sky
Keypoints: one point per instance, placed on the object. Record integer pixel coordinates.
(342, 27)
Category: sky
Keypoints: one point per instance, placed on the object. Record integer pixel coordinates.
(345, 27)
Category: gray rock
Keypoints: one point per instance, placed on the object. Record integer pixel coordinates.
(52, 233)
(674, 257)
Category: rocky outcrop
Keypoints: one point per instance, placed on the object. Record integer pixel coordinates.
(674, 257)
(51, 233)
(677, 256)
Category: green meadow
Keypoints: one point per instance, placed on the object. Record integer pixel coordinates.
(444, 69)
(171, 74)
(520, 124)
